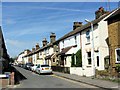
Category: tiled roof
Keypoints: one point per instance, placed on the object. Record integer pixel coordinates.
(117, 13)
(65, 50)
(77, 30)
(40, 49)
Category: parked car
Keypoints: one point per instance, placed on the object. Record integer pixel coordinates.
(43, 69)
(33, 68)
(28, 66)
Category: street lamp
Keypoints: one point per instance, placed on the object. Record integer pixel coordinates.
(92, 47)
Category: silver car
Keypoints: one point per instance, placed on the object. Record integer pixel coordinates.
(43, 69)
(33, 68)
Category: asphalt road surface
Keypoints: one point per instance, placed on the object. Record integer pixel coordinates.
(34, 80)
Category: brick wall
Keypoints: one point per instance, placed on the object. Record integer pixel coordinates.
(114, 41)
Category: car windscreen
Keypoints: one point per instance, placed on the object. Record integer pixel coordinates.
(44, 65)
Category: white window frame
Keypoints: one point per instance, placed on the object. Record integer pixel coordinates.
(75, 37)
(88, 37)
(116, 55)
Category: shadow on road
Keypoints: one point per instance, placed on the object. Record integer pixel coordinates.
(46, 74)
(18, 76)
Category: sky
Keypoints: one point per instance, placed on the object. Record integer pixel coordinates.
(26, 23)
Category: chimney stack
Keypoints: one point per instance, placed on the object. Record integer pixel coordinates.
(33, 49)
(76, 25)
(44, 42)
(100, 12)
(52, 37)
(37, 46)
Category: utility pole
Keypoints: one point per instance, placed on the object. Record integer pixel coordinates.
(93, 61)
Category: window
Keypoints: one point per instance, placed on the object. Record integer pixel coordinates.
(44, 52)
(65, 61)
(89, 57)
(40, 53)
(53, 59)
(47, 50)
(75, 40)
(88, 36)
(37, 56)
(97, 60)
(63, 44)
(117, 52)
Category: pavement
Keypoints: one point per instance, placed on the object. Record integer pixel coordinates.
(88, 80)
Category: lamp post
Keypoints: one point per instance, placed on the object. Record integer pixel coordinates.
(93, 61)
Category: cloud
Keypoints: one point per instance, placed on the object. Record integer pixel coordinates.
(10, 21)
(15, 43)
(48, 8)
(16, 46)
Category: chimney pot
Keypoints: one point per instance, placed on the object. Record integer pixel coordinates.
(33, 49)
(37, 46)
(44, 42)
(52, 37)
(76, 25)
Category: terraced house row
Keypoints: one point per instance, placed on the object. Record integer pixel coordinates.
(74, 52)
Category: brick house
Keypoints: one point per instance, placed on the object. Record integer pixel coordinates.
(114, 39)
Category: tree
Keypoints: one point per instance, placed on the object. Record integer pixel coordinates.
(13, 59)
(79, 58)
(73, 60)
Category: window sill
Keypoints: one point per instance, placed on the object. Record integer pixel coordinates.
(87, 43)
(117, 62)
(88, 66)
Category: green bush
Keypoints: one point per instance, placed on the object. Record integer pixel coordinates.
(78, 59)
(117, 68)
(103, 73)
(73, 60)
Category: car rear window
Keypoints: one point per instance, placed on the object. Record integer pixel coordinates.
(44, 65)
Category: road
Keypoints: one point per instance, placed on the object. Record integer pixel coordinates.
(34, 80)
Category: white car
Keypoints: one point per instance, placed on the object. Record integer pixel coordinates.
(33, 68)
(43, 69)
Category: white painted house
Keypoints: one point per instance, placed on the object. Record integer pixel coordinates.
(69, 44)
(20, 58)
(93, 60)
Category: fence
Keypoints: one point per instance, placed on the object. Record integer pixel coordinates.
(61, 69)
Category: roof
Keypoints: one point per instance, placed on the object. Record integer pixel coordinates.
(65, 50)
(49, 56)
(116, 13)
(4, 50)
(79, 29)
(21, 53)
(30, 53)
(40, 49)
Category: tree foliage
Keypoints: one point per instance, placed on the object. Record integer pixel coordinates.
(78, 59)
(73, 60)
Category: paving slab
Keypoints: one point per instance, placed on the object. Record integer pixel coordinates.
(88, 80)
